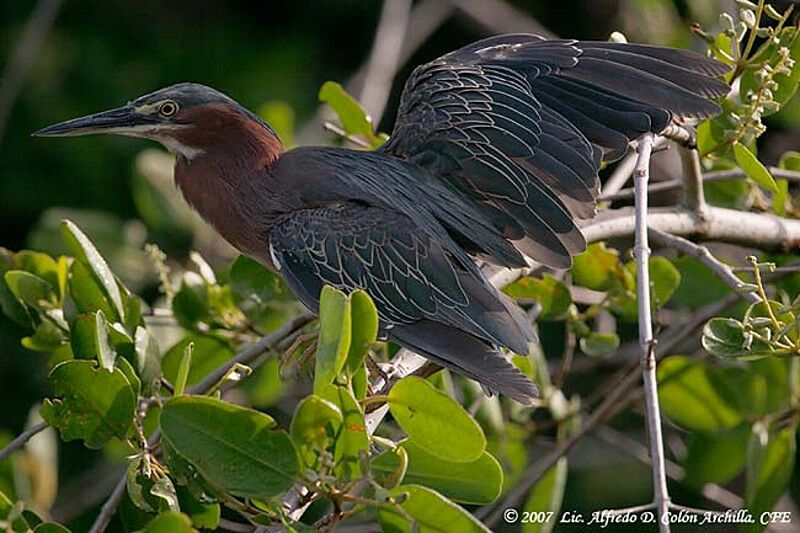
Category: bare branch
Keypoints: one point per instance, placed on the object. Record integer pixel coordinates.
(384, 59)
(708, 177)
(764, 230)
(693, 195)
(249, 353)
(24, 55)
(501, 17)
(22, 439)
(702, 254)
(641, 252)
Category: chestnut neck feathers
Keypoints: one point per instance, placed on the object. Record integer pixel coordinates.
(224, 180)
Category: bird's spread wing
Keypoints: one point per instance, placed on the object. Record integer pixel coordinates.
(519, 125)
(425, 299)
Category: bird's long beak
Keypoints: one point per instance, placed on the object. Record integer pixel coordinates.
(124, 120)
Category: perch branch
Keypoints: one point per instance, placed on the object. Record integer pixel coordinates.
(22, 439)
(641, 251)
(702, 254)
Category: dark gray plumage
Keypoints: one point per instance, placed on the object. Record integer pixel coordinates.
(494, 154)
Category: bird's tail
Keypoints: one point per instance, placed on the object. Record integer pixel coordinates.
(467, 355)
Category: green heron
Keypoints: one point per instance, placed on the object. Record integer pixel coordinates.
(494, 154)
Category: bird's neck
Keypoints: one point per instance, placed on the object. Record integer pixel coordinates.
(223, 181)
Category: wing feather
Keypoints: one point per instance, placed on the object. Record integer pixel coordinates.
(518, 125)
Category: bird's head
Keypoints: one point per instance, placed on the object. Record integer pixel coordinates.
(187, 118)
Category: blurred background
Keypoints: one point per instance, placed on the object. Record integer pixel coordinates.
(61, 59)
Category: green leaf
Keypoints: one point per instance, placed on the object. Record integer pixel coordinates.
(11, 306)
(280, 116)
(334, 336)
(183, 369)
(771, 456)
(47, 338)
(751, 166)
(546, 496)
(790, 161)
(82, 336)
(147, 358)
(314, 427)
(209, 353)
(250, 279)
(599, 344)
(87, 293)
(364, 319)
(352, 439)
(551, 294)
(203, 515)
(170, 522)
(354, 119)
(725, 337)
(84, 251)
(596, 268)
(715, 457)
(697, 396)
(664, 280)
(478, 482)
(105, 354)
(130, 374)
(430, 512)
(435, 421)
(95, 405)
(233, 447)
(50, 527)
(45, 267)
(389, 468)
(30, 289)
(781, 198)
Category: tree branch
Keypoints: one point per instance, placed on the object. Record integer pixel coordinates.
(641, 252)
(693, 194)
(22, 439)
(763, 230)
(384, 59)
(24, 54)
(709, 177)
(701, 253)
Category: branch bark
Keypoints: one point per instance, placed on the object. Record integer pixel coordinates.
(709, 177)
(22, 439)
(764, 230)
(701, 253)
(641, 252)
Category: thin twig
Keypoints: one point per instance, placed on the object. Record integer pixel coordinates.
(708, 177)
(110, 506)
(693, 194)
(702, 254)
(22, 439)
(249, 353)
(24, 54)
(641, 252)
(501, 17)
(615, 402)
(338, 130)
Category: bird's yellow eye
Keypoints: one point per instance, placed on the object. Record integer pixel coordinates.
(167, 108)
